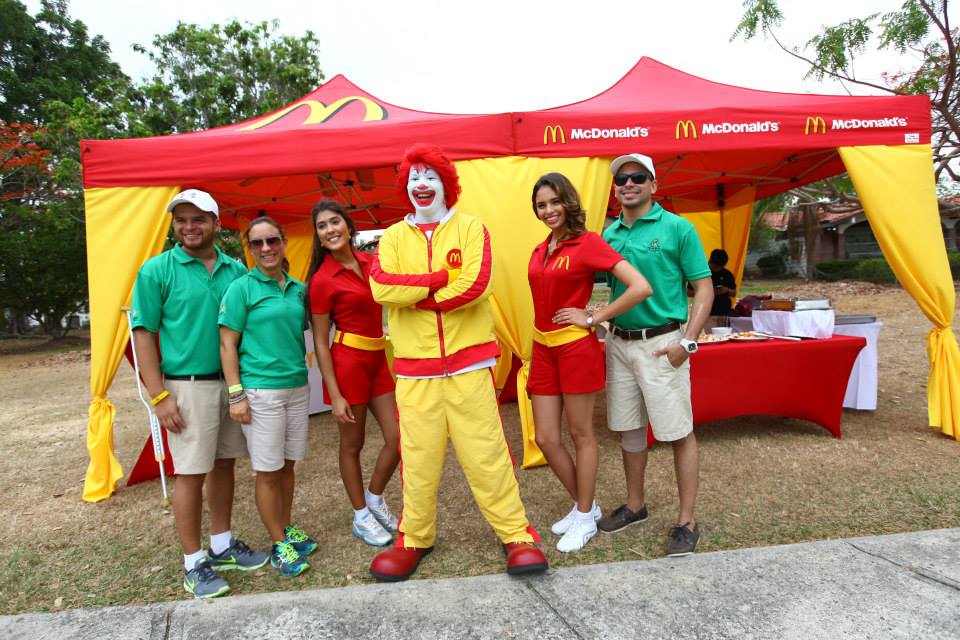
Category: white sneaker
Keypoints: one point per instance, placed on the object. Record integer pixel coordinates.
(560, 526)
(371, 531)
(578, 535)
(382, 513)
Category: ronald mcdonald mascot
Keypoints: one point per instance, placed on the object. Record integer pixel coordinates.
(433, 273)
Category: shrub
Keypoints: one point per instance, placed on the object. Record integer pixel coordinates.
(875, 270)
(772, 265)
(833, 270)
(954, 259)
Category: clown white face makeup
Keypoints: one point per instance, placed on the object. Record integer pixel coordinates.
(426, 193)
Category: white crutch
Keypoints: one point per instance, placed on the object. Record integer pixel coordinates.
(157, 437)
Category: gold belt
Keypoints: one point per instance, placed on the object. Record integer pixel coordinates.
(560, 337)
(357, 341)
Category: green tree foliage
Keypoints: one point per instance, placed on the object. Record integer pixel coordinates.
(225, 74)
(51, 58)
(59, 86)
(920, 28)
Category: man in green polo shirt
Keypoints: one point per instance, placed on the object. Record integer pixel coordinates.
(648, 348)
(177, 295)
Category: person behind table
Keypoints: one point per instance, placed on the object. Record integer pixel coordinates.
(433, 272)
(648, 351)
(724, 288)
(177, 295)
(263, 354)
(567, 368)
(354, 369)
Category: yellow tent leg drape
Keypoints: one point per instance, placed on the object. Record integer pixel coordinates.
(897, 183)
(125, 226)
(727, 228)
(497, 190)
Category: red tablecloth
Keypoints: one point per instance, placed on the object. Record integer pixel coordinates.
(805, 379)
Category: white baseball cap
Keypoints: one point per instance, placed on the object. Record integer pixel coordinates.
(645, 161)
(201, 199)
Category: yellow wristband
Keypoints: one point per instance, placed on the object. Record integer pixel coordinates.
(163, 394)
(234, 388)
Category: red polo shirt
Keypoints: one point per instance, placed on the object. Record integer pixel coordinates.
(340, 292)
(565, 277)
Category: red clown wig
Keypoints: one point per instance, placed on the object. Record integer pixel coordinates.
(431, 156)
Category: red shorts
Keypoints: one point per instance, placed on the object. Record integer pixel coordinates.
(361, 375)
(575, 367)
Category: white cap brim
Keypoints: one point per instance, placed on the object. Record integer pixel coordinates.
(645, 161)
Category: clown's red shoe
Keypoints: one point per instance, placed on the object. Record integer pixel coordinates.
(398, 563)
(523, 557)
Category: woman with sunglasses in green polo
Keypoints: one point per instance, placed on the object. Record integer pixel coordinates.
(262, 353)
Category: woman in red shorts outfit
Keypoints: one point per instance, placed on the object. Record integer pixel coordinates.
(567, 367)
(354, 369)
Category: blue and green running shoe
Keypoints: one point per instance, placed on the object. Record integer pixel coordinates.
(304, 544)
(238, 556)
(287, 561)
(203, 582)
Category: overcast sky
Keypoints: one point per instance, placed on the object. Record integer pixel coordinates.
(483, 56)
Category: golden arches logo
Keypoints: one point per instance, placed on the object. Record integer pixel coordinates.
(454, 258)
(320, 113)
(562, 261)
(816, 124)
(554, 131)
(688, 127)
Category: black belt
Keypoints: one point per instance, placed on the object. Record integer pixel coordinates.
(203, 376)
(644, 334)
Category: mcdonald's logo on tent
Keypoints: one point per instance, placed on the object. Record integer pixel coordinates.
(318, 113)
(688, 128)
(554, 131)
(562, 261)
(815, 124)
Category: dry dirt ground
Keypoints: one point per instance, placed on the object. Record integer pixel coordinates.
(764, 480)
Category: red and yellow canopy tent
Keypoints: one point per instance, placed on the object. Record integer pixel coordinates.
(717, 148)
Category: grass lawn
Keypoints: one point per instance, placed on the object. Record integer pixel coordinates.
(764, 480)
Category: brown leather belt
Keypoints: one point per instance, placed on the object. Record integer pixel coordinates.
(645, 334)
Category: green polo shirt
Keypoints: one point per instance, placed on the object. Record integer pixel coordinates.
(272, 321)
(666, 249)
(177, 297)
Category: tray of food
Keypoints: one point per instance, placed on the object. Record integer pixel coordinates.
(748, 336)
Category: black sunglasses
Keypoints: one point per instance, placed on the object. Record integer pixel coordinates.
(273, 242)
(638, 178)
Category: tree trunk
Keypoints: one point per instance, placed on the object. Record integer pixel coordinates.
(810, 229)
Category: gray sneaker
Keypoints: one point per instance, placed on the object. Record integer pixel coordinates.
(371, 531)
(238, 556)
(621, 518)
(203, 582)
(683, 541)
(386, 519)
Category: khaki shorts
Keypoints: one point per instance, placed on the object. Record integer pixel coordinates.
(278, 426)
(642, 387)
(210, 433)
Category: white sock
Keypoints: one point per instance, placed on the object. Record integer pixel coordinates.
(190, 560)
(585, 517)
(220, 542)
(372, 499)
(360, 514)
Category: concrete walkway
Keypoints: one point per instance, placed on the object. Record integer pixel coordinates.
(899, 586)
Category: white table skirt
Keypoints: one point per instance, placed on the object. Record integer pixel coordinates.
(862, 385)
(805, 324)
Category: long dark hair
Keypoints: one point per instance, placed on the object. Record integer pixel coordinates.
(319, 252)
(576, 217)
